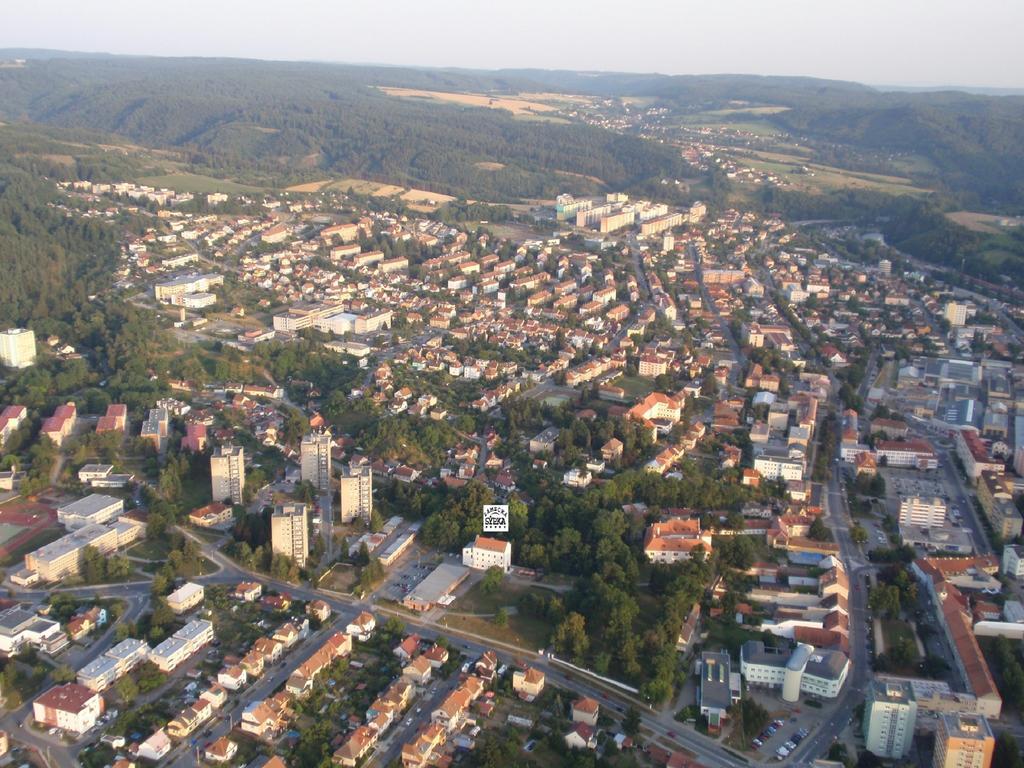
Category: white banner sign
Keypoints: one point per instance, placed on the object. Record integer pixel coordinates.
(496, 518)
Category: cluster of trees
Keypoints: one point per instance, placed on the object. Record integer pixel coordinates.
(1010, 671)
(97, 567)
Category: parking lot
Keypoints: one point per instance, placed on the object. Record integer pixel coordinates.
(409, 571)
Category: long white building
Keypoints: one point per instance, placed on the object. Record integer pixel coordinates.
(485, 552)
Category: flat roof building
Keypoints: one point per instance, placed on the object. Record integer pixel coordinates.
(890, 713)
(94, 509)
(719, 687)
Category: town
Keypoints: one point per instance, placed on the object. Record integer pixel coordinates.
(758, 488)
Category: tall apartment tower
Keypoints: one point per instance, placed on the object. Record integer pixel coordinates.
(289, 532)
(356, 493)
(17, 347)
(227, 473)
(315, 459)
(963, 741)
(890, 713)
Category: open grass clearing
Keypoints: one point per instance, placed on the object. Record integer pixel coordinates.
(197, 184)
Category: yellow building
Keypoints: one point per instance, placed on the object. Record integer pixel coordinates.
(963, 741)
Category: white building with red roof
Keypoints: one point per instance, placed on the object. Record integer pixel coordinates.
(72, 707)
(486, 552)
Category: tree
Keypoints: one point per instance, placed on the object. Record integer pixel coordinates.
(1007, 752)
(501, 618)
(126, 689)
(858, 534)
(570, 636)
(819, 531)
(63, 674)
(631, 722)
(94, 566)
(491, 582)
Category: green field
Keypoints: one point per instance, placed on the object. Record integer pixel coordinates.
(8, 532)
(197, 184)
(635, 386)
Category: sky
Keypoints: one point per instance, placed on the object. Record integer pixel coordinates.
(889, 42)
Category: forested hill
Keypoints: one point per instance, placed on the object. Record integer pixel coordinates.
(282, 119)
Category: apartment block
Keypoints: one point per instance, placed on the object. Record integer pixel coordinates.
(289, 532)
(963, 741)
(315, 459)
(890, 713)
(355, 493)
(227, 473)
(17, 348)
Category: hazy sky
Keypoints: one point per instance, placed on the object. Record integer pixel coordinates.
(906, 42)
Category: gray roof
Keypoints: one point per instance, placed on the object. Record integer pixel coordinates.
(828, 665)
(756, 652)
(715, 690)
(439, 583)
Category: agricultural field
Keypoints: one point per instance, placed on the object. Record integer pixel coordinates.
(988, 223)
(517, 106)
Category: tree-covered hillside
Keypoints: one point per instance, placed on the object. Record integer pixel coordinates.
(284, 121)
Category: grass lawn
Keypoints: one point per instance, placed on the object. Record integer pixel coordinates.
(341, 578)
(151, 549)
(635, 386)
(521, 630)
(196, 183)
(727, 635)
(894, 630)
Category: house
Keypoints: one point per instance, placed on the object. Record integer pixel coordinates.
(425, 749)
(418, 670)
(453, 710)
(437, 655)
(185, 598)
(233, 678)
(611, 451)
(71, 707)
(253, 663)
(528, 683)
(355, 747)
(248, 591)
(486, 666)
(585, 710)
(581, 736)
(408, 648)
(223, 750)
(190, 718)
(321, 611)
(288, 635)
(270, 649)
(362, 626)
(260, 720)
(156, 747)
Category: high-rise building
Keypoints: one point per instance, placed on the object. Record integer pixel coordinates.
(315, 459)
(963, 741)
(356, 493)
(17, 347)
(289, 532)
(227, 473)
(956, 313)
(890, 713)
(885, 266)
